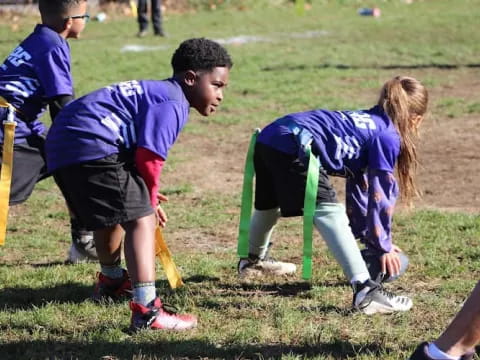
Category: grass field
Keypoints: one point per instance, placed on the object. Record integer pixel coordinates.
(328, 57)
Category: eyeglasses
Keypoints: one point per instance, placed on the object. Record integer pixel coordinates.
(85, 16)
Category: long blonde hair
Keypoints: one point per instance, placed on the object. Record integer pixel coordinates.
(405, 100)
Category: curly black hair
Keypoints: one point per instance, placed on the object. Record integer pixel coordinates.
(200, 54)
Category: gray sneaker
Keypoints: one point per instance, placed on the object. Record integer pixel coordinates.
(83, 246)
(248, 267)
(370, 298)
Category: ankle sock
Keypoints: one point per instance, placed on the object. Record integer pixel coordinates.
(144, 293)
(436, 353)
(360, 295)
(112, 271)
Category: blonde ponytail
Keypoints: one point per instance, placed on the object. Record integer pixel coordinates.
(404, 100)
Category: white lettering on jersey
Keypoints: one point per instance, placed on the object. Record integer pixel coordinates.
(362, 120)
(114, 123)
(130, 88)
(25, 86)
(346, 147)
(18, 56)
(124, 132)
(342, 115)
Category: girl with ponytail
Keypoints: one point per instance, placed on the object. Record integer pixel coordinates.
(365, 147)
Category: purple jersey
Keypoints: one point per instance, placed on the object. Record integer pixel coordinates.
(36, 70)
(362, 144)
(119, 117)
(345, 141)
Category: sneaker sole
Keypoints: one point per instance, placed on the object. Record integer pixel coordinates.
(247, 273)
(370, 310)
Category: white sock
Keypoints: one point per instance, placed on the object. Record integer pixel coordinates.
(112, 271)
(144, 293)
(361, 295)
(436, 353)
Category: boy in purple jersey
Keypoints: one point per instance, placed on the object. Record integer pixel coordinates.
(364, 146)
(106, 151)
(36, 75)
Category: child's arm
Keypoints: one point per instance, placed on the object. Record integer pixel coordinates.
(150, 166)
(57, 103)
(382, 196)
(356, 199)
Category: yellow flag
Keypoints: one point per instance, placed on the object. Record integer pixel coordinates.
(165, 257)
(133, 8)
(7, 167)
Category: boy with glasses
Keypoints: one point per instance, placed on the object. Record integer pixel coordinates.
(37, 74)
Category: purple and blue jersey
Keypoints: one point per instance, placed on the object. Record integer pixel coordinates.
(361, 145)
(117, 118)
(37, 70)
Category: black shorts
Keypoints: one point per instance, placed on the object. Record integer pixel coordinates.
(28, 167)
(281, 179)
(105, 192)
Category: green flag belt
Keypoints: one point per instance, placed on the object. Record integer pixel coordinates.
(309, 205)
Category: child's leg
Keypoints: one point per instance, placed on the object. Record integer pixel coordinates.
(147, 308)
(331, 221)
(113, 281)
(108, 242)
(463, 334)
(140, 257)
(261, 228)
(258, 263)
(140, 248)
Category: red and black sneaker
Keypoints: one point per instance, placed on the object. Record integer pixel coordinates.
(107, 289)
(157, 316)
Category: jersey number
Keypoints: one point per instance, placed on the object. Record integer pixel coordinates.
(18, 56)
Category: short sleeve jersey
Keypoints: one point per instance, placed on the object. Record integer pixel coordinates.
(345, 141)
(118, 118)
(36, 70)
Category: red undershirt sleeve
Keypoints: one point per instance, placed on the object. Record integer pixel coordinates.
(150, 166)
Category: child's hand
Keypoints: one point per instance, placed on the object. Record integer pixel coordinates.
(159, 212)
(390, 263)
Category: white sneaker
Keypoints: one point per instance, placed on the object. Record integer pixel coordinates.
(268, 266)
(82, 248)
(76, 257)
(371, 298)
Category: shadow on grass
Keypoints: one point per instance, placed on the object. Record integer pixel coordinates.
(162, 349)
(286, 289)
(34, 265)
(24, 298)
